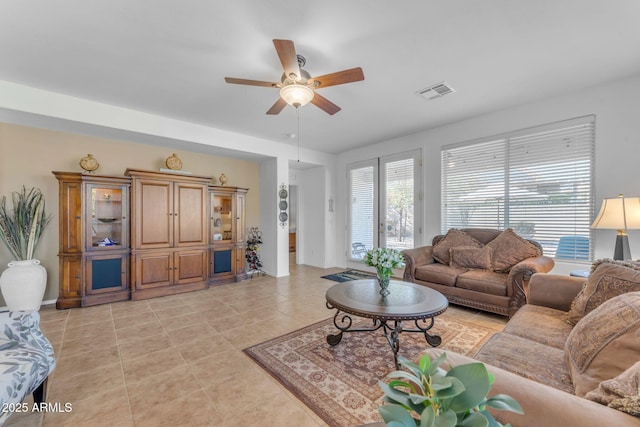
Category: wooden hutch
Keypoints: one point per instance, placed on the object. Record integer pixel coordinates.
(146, 234)
(94, 239)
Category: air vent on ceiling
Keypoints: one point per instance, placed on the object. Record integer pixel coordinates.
(436, 91)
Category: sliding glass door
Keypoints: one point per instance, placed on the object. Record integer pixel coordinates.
(382, 203)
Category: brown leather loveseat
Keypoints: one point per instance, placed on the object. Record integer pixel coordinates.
(482, 268)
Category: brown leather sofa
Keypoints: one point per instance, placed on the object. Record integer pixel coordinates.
(501, 292)
(533, 358)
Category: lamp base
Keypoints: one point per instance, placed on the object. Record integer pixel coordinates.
(622, 251)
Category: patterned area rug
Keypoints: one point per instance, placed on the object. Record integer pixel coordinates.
(340, 384)
(348, 275)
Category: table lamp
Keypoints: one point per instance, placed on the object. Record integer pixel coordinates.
(619, 213)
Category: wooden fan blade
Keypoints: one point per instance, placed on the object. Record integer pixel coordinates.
(338, 78)
(277, 107)
(288, 58)
(324, 104)
(249, 82)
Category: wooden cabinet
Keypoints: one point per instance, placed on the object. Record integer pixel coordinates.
(94, 239)
(169, 233)
(228, 234)
(145, 235)
(167, 213)
(107, 275)
(292, 242)
(159, 272)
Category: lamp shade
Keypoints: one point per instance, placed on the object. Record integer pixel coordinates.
(297, 95)
(619, 213)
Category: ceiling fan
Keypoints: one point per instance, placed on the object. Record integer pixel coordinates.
(297, 87)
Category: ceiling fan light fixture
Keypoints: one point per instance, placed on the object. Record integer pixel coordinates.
(297, 95)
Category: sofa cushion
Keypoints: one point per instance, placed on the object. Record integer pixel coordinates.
(604, 343)
(529, 359)
(509, 249)
(471, 257)
(487, 282)
(454, 238)
(621, 392)
(438, 273)
(541, 324)
(607, 280)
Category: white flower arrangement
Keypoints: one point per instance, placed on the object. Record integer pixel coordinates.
(384, 260)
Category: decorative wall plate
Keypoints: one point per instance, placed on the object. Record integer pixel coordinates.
(173, 162)
(282, 205)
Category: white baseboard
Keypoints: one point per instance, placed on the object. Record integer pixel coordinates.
(47, 302)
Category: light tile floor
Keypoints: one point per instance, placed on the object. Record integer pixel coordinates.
(178, 360)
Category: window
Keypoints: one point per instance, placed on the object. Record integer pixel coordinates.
(538, 181)
(383, 212)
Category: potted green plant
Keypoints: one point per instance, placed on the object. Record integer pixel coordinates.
(440, 398)
(24, 282)
(384, 260)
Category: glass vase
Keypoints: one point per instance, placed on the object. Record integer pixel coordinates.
(383, 282)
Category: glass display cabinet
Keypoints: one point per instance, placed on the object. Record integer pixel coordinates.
(94, 239)
(106, 206)
(228, 234)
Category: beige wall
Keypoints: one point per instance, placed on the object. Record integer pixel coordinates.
(28, 155)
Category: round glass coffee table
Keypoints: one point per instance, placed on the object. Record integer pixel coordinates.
(406, 302)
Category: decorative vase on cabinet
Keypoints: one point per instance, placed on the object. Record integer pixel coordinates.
(94, 239)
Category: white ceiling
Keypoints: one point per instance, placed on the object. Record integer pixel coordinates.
(170, 58)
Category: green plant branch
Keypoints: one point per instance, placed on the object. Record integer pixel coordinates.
(21, 227)
(440, 398)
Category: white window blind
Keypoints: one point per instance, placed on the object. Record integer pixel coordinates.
(538, 181)
(363, 199)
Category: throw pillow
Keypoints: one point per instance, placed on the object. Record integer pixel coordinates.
(607, 280)
(454, 238)
(509, 249)
(471, 257)
(621, 392)
(604, 343)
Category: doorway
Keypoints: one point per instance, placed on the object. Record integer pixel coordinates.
(382, 208)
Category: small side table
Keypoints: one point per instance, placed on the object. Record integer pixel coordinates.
(580, 273)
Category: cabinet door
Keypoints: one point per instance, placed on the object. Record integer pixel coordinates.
(106, 273)
(240, 221)
(221, 218)
(190, 215)
(153, 214)
(153, 269)
(191, 266)
(70, 217)
(70, 279)
(106, 217)
(223, 262)
(241, 260)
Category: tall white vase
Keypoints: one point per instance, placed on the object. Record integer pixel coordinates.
(23, 285)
